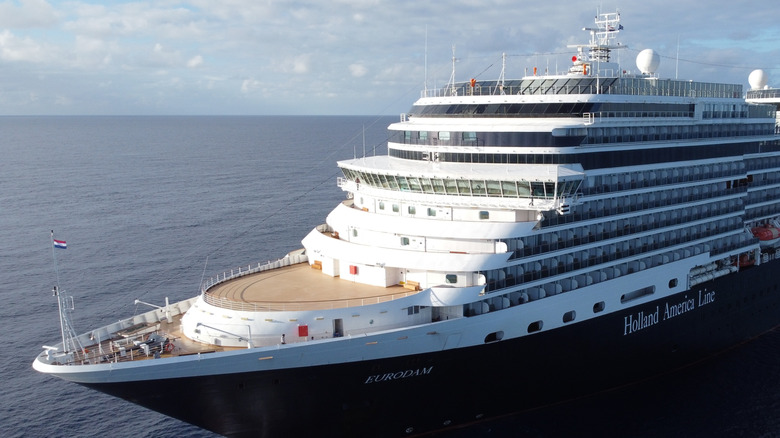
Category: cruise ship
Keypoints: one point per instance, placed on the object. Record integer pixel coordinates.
(522, 242)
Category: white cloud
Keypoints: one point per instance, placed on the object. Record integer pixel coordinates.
(358, 70)
(195, 61)
(250, 85)
(297, 64)
(28, 14)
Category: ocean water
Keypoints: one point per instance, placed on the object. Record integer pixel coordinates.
(148, 205)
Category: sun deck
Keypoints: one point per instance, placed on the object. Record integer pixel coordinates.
(297, 287)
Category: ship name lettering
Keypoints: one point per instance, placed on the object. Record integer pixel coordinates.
(706, 297)
(641, 321)
(679, 308)
(398, 375)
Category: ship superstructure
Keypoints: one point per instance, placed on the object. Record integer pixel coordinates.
(597, 220)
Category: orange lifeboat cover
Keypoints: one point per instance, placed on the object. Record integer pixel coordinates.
(766, 233)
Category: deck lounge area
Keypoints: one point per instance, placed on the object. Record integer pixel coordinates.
(295, 288)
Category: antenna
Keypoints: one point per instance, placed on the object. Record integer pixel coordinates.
(452, 76)
(677, 61)
(425, 85)
(500, 83)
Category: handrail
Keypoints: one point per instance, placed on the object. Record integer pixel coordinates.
(288, 306)
(288, 260)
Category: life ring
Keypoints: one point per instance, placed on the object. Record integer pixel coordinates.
(169, 347)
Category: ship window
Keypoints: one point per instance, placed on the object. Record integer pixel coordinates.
(450, 186)
(438, 186)
(404, 241)
(537, 189)
(478, 187)
(469, 136)
(395, 208)
(426, 185)
(392, 182)
(463, 187)
(672, 283)
(354, 232)
(493, 188)
(431, 212)
(381, 205)
(452, 278)
(509, 188)
(495, 336)
(637, 294)
(412, 310)
(414, 184)
(569, 316)
(535, 326)
(484, 215)
(444, 135)
(412, 209)
(598, 307)
(423, 135)
(403, 183)
(524, 189)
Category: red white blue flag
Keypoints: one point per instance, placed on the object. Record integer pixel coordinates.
(60, 244)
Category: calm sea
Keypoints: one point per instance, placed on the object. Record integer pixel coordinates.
(149, 204)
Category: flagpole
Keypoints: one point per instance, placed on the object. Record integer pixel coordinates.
(69, 340)
(54, 258)
(56, 293)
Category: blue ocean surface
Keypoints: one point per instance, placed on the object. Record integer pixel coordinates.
(149, 205)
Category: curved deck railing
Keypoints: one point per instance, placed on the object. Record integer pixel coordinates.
(293, 306)
(241, 271)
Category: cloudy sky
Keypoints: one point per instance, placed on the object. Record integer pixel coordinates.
(83, 57)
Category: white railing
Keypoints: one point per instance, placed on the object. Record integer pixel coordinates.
(242, 271)
(291, 306)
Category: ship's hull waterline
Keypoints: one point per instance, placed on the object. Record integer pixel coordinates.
(424, 392)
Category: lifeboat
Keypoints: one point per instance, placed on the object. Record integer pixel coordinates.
(768, 235)
(746, 260)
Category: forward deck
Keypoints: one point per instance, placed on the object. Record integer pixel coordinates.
(297, 288)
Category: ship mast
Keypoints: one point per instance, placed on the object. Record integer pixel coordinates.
(65, 304)
(602, 42)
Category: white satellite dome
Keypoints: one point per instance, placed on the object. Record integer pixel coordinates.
(647, 61)
(758, 79)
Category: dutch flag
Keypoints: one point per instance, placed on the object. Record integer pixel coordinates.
(60, 244)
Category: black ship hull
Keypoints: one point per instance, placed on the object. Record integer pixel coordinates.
(410, 395)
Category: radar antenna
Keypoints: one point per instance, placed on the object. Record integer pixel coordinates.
(602, 42)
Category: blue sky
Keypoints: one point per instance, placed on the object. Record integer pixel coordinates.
(237, 57)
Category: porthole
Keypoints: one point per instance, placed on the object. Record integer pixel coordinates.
(569, 316)
(535, 326)
(598, 307)
(493, 337)
(672, 283)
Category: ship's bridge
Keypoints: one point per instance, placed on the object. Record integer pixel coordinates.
(539, 185)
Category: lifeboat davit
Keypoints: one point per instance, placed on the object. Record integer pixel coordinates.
(768, 235)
